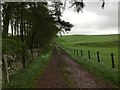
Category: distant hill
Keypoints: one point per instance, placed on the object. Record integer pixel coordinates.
(90, 38)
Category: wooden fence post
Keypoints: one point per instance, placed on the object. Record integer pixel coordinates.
(89, 54)
(98, 57)
(77, 52)
(112, 57)
(74, 51)
(81, 53)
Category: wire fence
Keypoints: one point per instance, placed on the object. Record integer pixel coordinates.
(108, 59)
(94, 55)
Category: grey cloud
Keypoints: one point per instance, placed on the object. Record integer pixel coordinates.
(106, 22)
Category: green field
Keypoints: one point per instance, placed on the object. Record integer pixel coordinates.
(104, 44)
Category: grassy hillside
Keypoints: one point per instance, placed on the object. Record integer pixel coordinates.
(90, 38)
(104, 44)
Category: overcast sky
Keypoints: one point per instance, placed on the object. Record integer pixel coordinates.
(94, 20)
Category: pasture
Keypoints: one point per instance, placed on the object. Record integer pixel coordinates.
(104, 44)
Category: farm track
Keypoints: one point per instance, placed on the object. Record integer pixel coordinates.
(53, 76)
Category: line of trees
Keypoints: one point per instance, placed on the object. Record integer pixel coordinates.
(32, 24)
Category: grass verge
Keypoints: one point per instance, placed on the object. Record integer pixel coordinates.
(66, 74)
(101, 70)
(26, 77)
(68, 78)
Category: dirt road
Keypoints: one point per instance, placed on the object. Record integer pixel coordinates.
(63, 72)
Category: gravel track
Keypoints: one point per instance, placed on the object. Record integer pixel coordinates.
(53, 76)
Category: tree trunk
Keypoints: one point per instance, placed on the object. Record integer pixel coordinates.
(12, 27)
(17, 30)
(5, 27)
(6, 18)
(5, 69)
(22, 39)
(15, 26)
(32, 53)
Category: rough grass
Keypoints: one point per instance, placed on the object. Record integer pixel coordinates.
(101, 70)
(26, 77)
(105, 44)
(67, 76)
